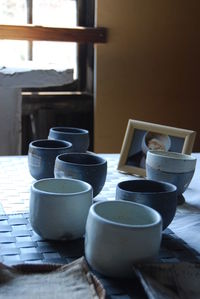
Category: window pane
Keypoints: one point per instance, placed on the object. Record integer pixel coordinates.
(13, 12)
(13, 51)
(55, 13)
(52, 13)
(57, 53)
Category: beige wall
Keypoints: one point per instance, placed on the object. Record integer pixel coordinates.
(150, 68)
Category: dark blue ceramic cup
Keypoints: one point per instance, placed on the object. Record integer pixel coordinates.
(42, 154)
(160, 196)
(78, 137)
(87, 167)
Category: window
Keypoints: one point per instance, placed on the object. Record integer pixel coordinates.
(50, 13)
(81, 40)
(50, 40)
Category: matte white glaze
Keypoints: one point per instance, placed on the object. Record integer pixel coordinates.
(59, 208)
(120, 233)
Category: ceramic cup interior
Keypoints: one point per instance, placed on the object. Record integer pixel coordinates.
(59, 208)
(124, 214)
(90, 168)
(50, 144)
(42, 154)
(116, 227)
(61, 186)
(175, 168)
(160, 196)
(77, 136)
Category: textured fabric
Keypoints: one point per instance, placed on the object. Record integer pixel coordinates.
(71, 281)
(170, 281)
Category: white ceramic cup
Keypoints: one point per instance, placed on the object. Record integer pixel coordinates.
(59, 208)
(171, 161)
(171, 167)
(120, 233)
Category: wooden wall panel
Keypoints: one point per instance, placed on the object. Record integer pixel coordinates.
(149, 69)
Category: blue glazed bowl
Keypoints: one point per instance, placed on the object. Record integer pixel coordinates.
(78, 137)
(87, 167)
(42, 154)
(160, 196)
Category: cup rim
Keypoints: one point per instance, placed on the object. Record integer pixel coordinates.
(101, 161)
(172, 155)
(172, 187)
(66, 144)
(88, 187)
(123, 225)
(76, 130)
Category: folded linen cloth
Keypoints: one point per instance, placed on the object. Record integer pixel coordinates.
(170, 281)
(39, 281)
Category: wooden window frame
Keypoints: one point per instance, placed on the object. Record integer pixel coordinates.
(42, 33)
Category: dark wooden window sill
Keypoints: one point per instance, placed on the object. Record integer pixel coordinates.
(40, 33)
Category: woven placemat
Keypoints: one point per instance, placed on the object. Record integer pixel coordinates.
(20, 244)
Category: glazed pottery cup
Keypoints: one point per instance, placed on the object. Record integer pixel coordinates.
(42, 154)
(119, 234)
(78, 137)
(59, 208)
(171, 167)
(90, 168)
(160, 196)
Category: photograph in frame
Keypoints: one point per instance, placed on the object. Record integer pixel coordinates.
(143, 136)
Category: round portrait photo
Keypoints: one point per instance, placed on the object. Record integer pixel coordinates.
(148, 141)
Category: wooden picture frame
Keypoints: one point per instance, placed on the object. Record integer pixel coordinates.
(139, 133)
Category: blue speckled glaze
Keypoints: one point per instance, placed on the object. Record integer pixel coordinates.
(77, 136)
(42, 154)
(180, 180)
(87, 167)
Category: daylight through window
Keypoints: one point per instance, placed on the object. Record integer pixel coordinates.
(51, 13)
